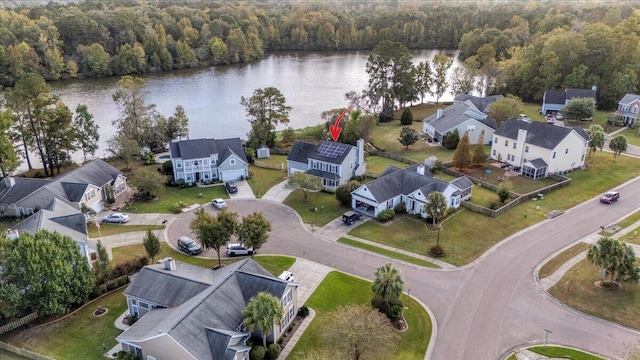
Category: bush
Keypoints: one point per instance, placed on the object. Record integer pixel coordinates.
(273, 351)
(451, 139)
(380, 304)
(97, 291)
(129, 267)
(180, 183)
(407, 117)
(503, 191)
(386, 215)
(167, 168)
(494, 205)
(437, 166)
(395, 313)
(400, 209)
(343, 192)
(256, 353)
(303, 311)
(123, 355)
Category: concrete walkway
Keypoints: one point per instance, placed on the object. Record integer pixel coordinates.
(277, 193)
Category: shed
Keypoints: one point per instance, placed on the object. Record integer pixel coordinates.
(263, 152)
(430, 161)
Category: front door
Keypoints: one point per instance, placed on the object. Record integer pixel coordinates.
(197, 176)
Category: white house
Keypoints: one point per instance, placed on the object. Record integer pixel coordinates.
(209, 159)
(463, 116)
(410, 187)
(333, 162)
(628, 109)
(538, 148)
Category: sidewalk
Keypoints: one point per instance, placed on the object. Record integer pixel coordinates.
(277, 193)
(553, 279)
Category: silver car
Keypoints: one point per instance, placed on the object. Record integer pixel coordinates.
(118, 218)
(238, 249)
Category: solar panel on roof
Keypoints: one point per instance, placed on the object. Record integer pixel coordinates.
(332, 150)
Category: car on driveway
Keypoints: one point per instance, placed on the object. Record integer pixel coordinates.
(609, 197)
(189, 245)
(232, 187)
(350, 217)
(118, 218)
(218, 203)
(236, 249)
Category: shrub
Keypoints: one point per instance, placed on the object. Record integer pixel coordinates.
(400, 209)
(180, 183)
(395, 313)
(256, 353)
(123, 355)
(167, 168)
(386, 215)
(97, 291)
(437, 166)
(273, 351)
(407, 117)
(343, 192)
(303, 311)
(129, 267)
(503, 191)
(451, 139)
(131, 319)
(149, 158)
(380, 304)
(494, 205)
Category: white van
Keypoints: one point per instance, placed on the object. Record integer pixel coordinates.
(286, 276)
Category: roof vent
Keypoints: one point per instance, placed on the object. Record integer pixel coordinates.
(439, 113)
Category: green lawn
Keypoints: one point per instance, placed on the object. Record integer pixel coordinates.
(338, 289)
(113, 229)
(483, 196)
(559, 352)
(385, 252)
(554, 264)
(316, 201)
(377, 164)
(631, 219)
(263, 179)
(407, 233)
(633, 237)
(81, 336)
(577, 289)
(632, 138)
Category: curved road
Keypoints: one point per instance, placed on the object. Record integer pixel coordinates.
(486, 308)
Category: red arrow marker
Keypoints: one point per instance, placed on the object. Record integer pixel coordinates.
(335, 129)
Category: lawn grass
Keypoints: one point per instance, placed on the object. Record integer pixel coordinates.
(80, 336)
(599, 117)
(316, 200)
(377, 164)
(263, 179)
(406, 233)
(519, 184)
(563, 353)
(274, 264)
(113, 229)
(483, 196)
(577, 289)
(632, 237)
(629, 220)
(388, 253)
(630, 134)
(554, 264)
(338, 289)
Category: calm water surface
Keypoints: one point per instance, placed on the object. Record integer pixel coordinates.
(312, 82)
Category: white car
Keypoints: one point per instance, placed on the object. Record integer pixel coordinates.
(238, 249)
(119, 218)
(218, 203)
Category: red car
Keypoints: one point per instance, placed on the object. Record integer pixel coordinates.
(609, 197)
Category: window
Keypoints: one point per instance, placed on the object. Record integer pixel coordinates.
(291, 312)
(506, 143)
(179, 164)
(29, 211)
(514, 145)
(287, 298)
(494, 152)
(232, 162)
(526, 149)
(471, 128)
(495, 140)
(634, 109)
(144, 305)
(91, 194)
(554, 155)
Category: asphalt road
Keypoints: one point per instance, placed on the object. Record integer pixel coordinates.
(486, 308)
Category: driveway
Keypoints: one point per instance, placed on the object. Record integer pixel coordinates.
(486, 308)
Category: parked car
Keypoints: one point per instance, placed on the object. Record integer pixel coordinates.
(524, 118)
(559, 116)
(238, 249)
(118, 218)
(286, 276)
(218, 203)
(550, 119)
(609, 197)
(189, 245)
(350, 217)
(232, 187)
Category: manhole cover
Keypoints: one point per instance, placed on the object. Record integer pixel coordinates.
(554, 213)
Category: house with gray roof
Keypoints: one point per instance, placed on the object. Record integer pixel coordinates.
(334, 163)
(88, 185)
(58, 216)
(480, 103)
(554, 100)
(628, 109)
(463, 116)
(191, 312)
(409, 187)
(537, 148)
(209, 160)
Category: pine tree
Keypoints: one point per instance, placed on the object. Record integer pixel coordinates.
(462, 156)
(479, 156)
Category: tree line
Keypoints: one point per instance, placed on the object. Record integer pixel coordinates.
(97, 38)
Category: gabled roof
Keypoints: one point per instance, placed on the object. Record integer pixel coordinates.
(209, 314)
(74, 191)
(555, 97)
(456, 114)
(57, 216)
(540, 134)
(395, 182)
(538, 163)
(580, 93)
(21, 188)
(629, 98)
(480, 103)
(204, 148)
(70, 185)
(302, 151)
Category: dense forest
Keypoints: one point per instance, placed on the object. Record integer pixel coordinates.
(521, 48)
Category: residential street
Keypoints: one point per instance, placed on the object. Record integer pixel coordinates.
(488, 307)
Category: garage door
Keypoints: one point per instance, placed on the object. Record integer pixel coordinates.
(97, 207)
(232, 175)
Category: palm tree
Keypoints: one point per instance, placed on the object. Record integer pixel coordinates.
(614, 257)
(388, 282)
(436, 208)
(262, 311)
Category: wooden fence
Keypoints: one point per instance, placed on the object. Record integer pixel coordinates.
(22, 352)
(262, 164)
(16, 324)
(392, 156)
